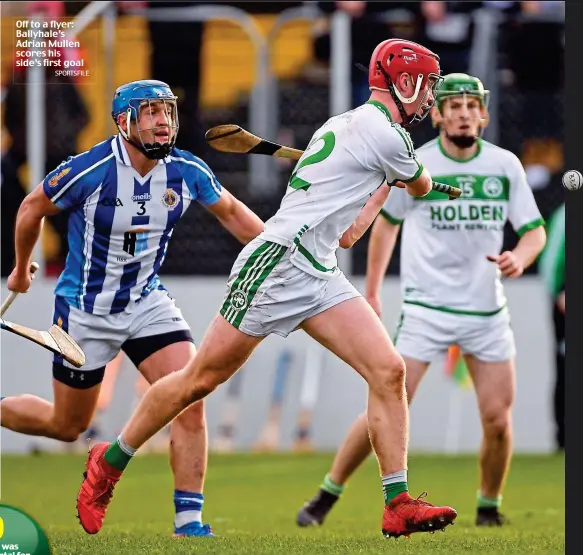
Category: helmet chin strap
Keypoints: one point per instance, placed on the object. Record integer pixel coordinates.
(402, 112)
(153, 151)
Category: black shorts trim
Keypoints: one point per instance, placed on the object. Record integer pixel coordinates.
(138, 350)
(77, 379)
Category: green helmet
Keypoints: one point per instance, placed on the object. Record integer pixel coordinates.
(456, 84)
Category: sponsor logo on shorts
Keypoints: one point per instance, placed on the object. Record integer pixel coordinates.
(170, 199)
(55, 179)
(238, 300)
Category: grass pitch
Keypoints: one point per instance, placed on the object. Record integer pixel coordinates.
(251, 502)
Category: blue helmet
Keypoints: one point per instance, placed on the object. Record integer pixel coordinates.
(130, 97)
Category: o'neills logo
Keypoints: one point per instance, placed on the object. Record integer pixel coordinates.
(142, 197)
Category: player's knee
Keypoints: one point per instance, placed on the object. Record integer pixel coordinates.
(69, 432)
(193, 418)
(389, 376)
(497, 424)
(198, 388)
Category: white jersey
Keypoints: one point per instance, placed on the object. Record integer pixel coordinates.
(445, 243)
(346, 161)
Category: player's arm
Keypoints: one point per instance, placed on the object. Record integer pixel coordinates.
(529, 246)
(233, 215)
(65, 188)
(33, 209)
(526, 219)
(381, 244)
(236, 217)
(513, 263)
(366, 216)
(421, 186)
(395, 155)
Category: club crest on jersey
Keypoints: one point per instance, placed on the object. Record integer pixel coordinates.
(55, 179)
(238, 300)
(492, 187)
(170, 199)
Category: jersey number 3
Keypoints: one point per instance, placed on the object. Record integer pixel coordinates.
(325, 151)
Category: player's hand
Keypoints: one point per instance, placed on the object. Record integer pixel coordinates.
(375, 302)
(561, 302)
(508, 263)
(19, 282)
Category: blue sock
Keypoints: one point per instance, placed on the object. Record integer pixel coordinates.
(188, 507)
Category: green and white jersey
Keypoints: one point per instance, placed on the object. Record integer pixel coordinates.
(346, 161)
(445, 243)
(552, 264)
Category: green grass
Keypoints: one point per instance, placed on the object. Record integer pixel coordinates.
(252, 500)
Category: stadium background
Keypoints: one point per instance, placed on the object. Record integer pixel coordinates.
(307, 51)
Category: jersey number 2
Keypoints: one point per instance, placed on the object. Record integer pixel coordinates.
(329, 143)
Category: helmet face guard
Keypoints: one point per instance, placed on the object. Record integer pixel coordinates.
(131, 99)
(461, 85)
(154, 150)
(432, 83)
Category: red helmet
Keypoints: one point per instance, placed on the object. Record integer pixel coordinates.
(395, 56)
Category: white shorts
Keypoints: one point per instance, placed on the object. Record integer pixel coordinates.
(154, 323)
(425, 334)
(267, 294)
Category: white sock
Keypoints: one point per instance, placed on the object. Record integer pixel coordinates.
(130, 451)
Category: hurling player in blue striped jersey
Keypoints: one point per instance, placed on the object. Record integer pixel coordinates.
(124, 196)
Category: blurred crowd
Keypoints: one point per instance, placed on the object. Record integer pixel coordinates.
(446, 27)
(529, 65)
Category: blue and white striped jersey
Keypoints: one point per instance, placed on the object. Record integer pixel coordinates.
(120, 222)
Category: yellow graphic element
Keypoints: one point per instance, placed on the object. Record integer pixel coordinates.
(170, 198)
(1, 527)
(60, 322)
(55, 179)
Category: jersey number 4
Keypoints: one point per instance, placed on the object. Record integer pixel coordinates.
(324, 152)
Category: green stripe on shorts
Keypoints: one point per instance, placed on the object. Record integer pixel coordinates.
(254, 272)
(399, 326)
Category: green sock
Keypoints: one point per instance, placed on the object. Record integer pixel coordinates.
(332, 487)
(117, 454)
(488, 502)
(394, 484)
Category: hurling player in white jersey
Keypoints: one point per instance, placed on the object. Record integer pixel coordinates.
(287, 279)
(451, 270)
(124, 197)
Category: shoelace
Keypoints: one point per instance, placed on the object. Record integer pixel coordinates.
(418, 503)
(418, 500)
